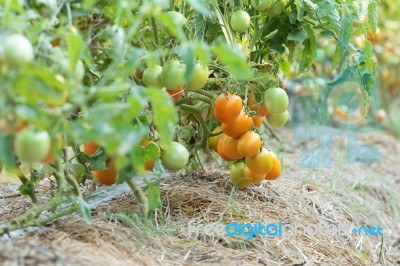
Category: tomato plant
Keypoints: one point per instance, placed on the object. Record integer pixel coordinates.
(112, 74)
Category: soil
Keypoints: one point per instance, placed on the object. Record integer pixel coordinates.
(353, 189)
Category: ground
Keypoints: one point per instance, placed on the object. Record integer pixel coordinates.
(352, 194)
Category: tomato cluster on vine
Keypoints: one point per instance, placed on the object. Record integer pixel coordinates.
(242, 145)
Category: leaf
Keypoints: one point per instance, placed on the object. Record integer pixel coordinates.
(6, 151)
(300, 9)
(236, 64)
(173, 26)
(200, 6)
(75, 45)
(298, 35)
(165, 116)
(199, 26)
(372, 16)
(125, 174)
(345, 34)
(190, 60)
(309, 52)
(154, 197)
(85, 211)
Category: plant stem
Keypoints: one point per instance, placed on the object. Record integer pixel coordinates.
(140, 196)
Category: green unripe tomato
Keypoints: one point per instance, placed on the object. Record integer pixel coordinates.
(276, 100)
(240, 21)
(173, 75)
(32, 146)
(76, 75)
(175, 157)
(152, 76)
(276, 8)
(17, 49)
(236, 172)
(261, 5)
(278, 121)
(199, 78)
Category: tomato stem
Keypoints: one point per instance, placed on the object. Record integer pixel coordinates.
(140, 196)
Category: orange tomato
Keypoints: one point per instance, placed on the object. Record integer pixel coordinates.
(257, 121)
(90, 148)
(253, 105)
(6, 128)
(215, 139)
(240, 125)
(252, 177)
(220, 148)
(107, 176)
(227, 107)
(230, 146)
(380, 116)
(249, 144)
(260, 164)
(374, 38)
(175, 94)
(275, 172)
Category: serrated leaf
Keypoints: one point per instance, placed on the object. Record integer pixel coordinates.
(165, 116)
(309, 52)
(75, 46)
(154, 197)
(125, 174)
(199, 24)
(298, 35)
(236, 64)
(345, 34)
(200, 6)
(84, 209)
(372, 16)
(173, 27)
(300, 9)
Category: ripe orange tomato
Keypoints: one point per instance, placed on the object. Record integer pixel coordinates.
(257, 121)
(7, 129)
(260, 164)
(107, 176)
(238, 126)
(275, 172)
(374, 38)
(175, 94)
(220, 148)
(380, 116)
(249, 144)
(227, 107)
(253, 105)
(90, 148)
(214, 140)
(230, 146)
(252, 177)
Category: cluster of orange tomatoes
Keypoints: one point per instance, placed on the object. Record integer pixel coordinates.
(239, 143)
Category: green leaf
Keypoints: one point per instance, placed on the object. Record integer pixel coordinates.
(75, 45)
(173, 27)
(300, 9)
(165, 116)
(236, 64)
(200, 6)
(154, 197)
(298, 35)
(199, 24)
(125, 174)
(345, 34)
(309, 52)
(372, 16)
(190, 60)
(85, 211)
